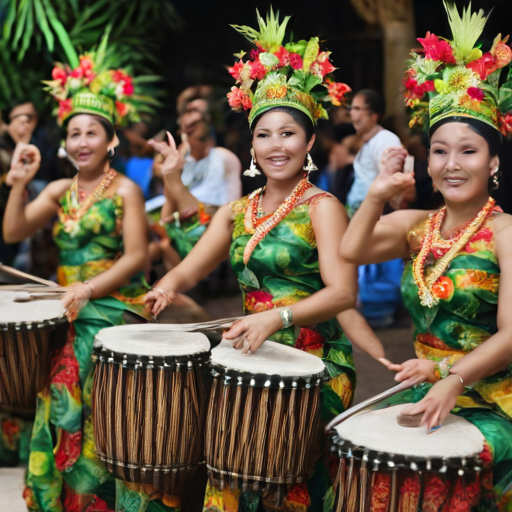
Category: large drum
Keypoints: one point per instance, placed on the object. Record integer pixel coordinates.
(263, 424)
(387, 467)
(29, 333)
(148, 407)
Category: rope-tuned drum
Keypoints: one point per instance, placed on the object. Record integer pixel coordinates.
(263, 424)
(148, 406)
(29, 333)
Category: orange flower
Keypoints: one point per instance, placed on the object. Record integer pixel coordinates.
(277, 92)
(443, 288)
(299, 494)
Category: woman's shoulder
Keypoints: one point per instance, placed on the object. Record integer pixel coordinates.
(315, 194)
(125, 188)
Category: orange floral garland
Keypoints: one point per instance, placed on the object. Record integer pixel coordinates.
(433, 237)
(259, 232)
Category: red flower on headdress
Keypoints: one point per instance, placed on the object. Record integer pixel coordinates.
(59, 74)
(437, 49)
(283, 55)
(337, 91)
(506, 124)
(121, 108)
(476, 93)
(236, 69)
(255, 52)
(296, 61)
(258, 70)
(501, 52)
(64, 108)
(238, 99)
(128, 89)
(77, 72)
(85, 63)
(416, 90)
(484, 66)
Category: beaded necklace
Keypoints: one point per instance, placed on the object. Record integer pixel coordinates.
(432, 238)
(260, 231)
(77, 206)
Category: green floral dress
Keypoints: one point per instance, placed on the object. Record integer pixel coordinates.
(282, 270)
(464, 318)
(64, 473)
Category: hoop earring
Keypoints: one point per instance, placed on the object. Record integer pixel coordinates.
(496, 179)
(111, 153)
(253, 170)
(310, 165)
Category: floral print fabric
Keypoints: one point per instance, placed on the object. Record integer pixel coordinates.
(64, 473)
(465, 317)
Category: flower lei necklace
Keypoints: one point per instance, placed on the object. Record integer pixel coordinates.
(77, 209)
(433, 238)
(259, 232)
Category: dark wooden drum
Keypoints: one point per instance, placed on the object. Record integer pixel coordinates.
(148, 404)
(29, 333)
(263, 423)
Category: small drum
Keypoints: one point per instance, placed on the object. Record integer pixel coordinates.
(263, 423)
(29, 333)
(148, 406)
(386, 467)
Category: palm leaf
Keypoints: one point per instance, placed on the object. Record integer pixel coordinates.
(10, 20)
(43, 24)
(27, 36)
(23, 11)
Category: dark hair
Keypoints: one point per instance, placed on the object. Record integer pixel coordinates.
(17, 103)
(107, 125)
(374, 101)
(492, 136)
(301, 119)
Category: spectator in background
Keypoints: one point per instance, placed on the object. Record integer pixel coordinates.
(379, 284)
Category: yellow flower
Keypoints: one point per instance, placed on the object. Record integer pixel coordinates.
(304, 231)
(39, 463)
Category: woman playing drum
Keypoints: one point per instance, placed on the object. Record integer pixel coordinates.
(101, 234)
(282, 239)
(458, 282)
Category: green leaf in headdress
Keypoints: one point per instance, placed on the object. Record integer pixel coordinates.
(311, 53)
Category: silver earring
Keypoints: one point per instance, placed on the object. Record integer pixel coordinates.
(253, 170)
(310, 166)
(496, 178)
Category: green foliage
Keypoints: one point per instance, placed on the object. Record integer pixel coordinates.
(58, 30)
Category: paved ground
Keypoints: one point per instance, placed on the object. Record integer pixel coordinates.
(372, 379)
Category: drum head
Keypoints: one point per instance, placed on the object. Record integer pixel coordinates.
(151, 340)
(33, 311)
(271, 359)
(379, 431)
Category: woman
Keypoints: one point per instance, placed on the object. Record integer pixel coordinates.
(99, 228)
(458, 282)
(282, 250)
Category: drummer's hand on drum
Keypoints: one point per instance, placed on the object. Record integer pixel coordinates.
(158, 299)
(438, 402)
(249, 333)
(24, 164)
(75, 299)
(420, 370)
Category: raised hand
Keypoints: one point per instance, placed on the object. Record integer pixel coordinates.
(24, 165)
(174, 158)
(391, 180)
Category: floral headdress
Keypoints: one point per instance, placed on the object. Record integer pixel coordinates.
(89, 87)
(293, 75)
(454, 78)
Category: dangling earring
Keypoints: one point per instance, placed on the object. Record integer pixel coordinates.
(310, 166)
(253, 170)
(496, 179)
(111, 153)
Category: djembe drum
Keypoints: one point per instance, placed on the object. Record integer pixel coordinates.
(263, 423)
(29, 333)
(148, 407)
(387, 467)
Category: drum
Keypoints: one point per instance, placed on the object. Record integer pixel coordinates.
(148, 406)
(386, 467)
(263, 422)
(29, 333)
